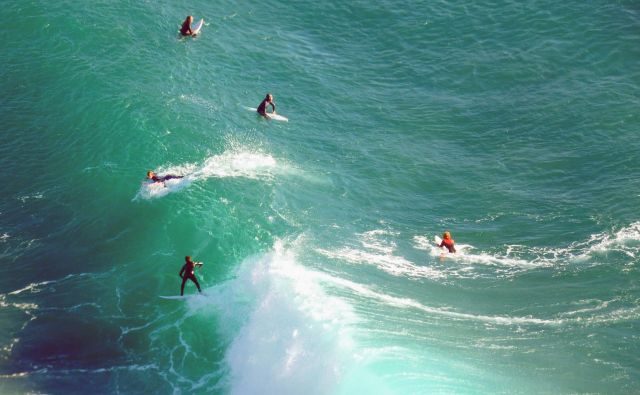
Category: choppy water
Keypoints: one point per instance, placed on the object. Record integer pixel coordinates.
(513, 125)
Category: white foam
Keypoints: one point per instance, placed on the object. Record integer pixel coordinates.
(237, 164)
(626, 241)
(25, 198)
(389, 263)
(33, 287)
(292, 338)
(378, 248)
(253, 165)
(406, 303)
(465, 255)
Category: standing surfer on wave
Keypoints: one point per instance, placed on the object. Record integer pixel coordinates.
(262, 108)
(448, 242)
(187, 273)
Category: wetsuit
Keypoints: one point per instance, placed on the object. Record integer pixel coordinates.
(164, 178)
(262, 108)
(187, 273)
(185, 30)
(449, 244)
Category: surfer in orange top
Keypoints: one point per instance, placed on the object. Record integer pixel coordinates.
(185, 30)
(448, 242)
(268, 100)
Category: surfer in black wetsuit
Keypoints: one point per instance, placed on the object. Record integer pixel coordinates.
(153, 177)
(268, 100)
(187, 273)
(185, 30)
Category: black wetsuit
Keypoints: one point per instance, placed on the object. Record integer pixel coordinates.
(187, 273)
(185, 30)
(262, 108)
(164, 178)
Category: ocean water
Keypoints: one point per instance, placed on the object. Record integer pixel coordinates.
(514, 125)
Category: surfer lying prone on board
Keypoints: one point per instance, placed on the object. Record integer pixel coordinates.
(185, 30)
(262, 108)
(153, 177)
(187, 273)
(448, 242)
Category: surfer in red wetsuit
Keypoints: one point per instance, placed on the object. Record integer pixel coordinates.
(153, 177)
(187, 273)
(185, 30)
(448, 242)
(268, 100)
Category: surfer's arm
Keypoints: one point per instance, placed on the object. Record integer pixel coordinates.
(273, 106)
(182, 270)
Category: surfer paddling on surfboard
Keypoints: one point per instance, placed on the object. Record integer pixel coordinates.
(448, 242)
(153, 177)
(187, 273)
(262, 108)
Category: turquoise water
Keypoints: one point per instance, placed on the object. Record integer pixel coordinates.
(513, 125)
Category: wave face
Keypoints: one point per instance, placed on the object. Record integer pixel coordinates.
(512, 125)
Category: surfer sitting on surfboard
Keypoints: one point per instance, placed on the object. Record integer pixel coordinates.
(185, 30)
(153, 177)
(448, 242)
(268, 100)
(187, 273)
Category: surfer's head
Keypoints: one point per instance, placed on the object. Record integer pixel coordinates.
(446, 235)
(150, 174)
(187, 258)
(189, 19)
(269, 97)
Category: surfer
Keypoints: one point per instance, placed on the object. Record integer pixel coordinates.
(153, 177)
(185, 30)
(187, 273)
(268, 100)
(448, 242)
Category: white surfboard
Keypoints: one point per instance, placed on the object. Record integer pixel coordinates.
(275, 117)
(195, 29)
(178, 297)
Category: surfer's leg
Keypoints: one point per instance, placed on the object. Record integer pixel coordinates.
(184, 280)
(195, 280)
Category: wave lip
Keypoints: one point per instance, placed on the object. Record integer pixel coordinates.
(287, 334)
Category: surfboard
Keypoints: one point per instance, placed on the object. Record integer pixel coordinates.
(178, 297)
(275, 117)
(196, 28)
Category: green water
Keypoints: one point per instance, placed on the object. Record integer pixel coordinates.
(512, 125)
